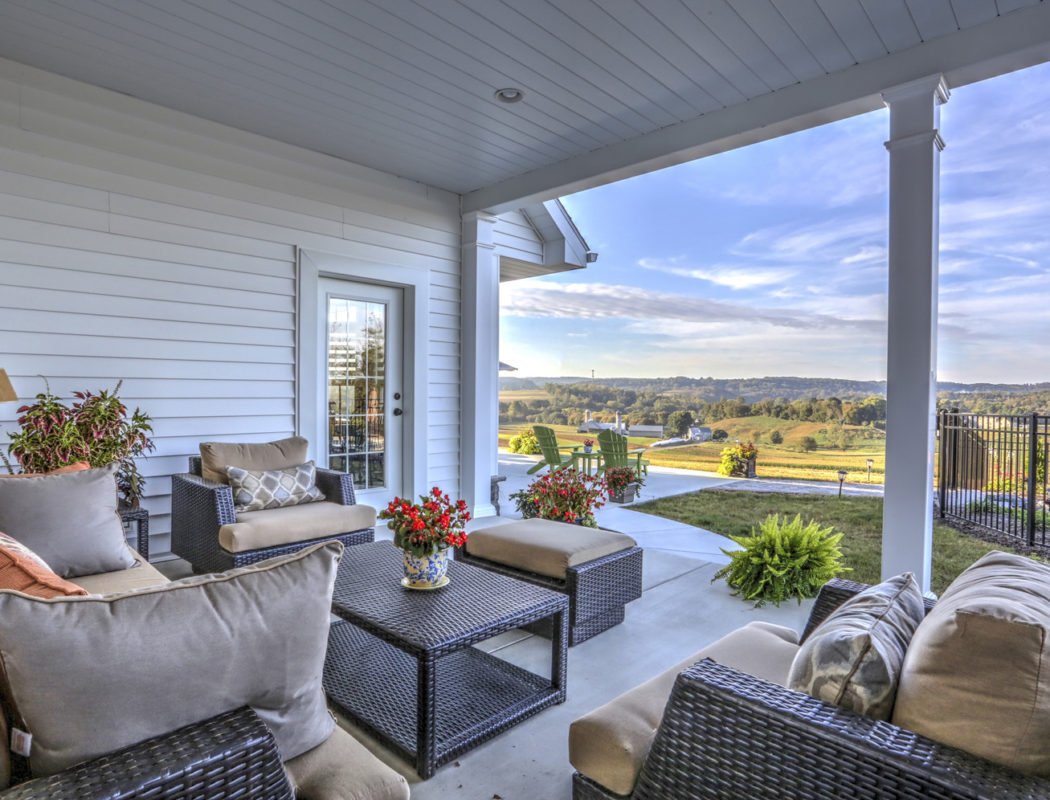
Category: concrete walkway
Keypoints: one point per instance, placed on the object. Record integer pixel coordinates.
(652, 533)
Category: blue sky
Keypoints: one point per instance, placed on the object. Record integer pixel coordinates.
(771, 259)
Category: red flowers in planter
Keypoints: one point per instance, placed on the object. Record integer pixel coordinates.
(434, 523)
(565, 495)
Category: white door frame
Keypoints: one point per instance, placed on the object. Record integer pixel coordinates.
(311, 265)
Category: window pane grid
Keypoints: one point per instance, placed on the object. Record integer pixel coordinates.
(356, 390)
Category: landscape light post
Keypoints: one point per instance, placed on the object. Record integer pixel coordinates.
(870, 462)
(842, 477)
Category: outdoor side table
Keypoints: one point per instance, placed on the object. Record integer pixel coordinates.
(401, 664)
(138, 516)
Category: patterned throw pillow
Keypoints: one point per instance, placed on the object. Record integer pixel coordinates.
(256, 490)
(24, 571)
(853, 659)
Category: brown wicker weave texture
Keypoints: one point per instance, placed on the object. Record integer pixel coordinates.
(597, 590)
(429, 695)
(200, 507)
(140, 517)
(229, 757)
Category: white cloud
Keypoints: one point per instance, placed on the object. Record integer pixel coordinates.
(583, 301)
(736, 278)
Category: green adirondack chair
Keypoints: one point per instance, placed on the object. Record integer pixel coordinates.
(552, 455)
(614, 451)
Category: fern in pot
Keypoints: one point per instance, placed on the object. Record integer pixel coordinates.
(783, 559)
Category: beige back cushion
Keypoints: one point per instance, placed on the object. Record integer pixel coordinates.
(119, 669)
(977, 672)
(216, 456)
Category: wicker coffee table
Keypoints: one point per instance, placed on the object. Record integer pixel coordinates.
(400, 662)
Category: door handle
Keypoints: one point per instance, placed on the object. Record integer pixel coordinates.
(398, 412)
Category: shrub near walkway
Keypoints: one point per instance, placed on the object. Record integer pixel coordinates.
(858, 518)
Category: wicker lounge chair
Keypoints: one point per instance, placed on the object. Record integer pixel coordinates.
(200, 508)
(727, 734)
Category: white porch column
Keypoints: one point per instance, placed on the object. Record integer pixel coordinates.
(479, 425)
(911, 380)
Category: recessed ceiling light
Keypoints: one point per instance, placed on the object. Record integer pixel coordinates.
(510, 95)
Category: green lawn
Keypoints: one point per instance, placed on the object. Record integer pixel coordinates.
(858, 518)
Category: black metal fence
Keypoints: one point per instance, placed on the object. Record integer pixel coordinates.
(992, 472)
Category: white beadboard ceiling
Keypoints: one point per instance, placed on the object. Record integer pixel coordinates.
(407, 87)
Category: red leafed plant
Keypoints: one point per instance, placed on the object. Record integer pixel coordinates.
(618, 478)
(432, 524)
(565, 495)
(95, 429)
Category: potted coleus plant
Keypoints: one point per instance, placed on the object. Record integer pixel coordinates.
(564, 495)
(425, 531)
(588, 445)
(95, 429)
(624, 484)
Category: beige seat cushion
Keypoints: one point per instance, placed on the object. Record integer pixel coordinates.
(343, 769)
(545, 547)
(216, 456)
(977, 672)
(141, 576)
(609, 744)
(276, 526)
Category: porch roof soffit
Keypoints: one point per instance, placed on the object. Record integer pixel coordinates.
(1006, 43)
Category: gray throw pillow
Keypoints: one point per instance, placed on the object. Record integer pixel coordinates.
(70, 520)
(115, 669)
(257, 490)
(854, 657)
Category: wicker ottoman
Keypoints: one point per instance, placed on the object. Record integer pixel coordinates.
(600, 570)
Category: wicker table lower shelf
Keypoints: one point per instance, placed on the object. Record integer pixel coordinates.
(402, 665)
(477, 697)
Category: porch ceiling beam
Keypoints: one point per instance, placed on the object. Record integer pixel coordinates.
(1013, 41)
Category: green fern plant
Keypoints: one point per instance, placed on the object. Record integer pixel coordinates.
(783, 559)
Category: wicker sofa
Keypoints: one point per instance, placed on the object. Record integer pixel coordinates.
(230, 755)
(200, 509)
(726, 733)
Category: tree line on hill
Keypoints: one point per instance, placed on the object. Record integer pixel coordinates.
(567, 404)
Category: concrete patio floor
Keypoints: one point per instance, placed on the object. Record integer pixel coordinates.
(680, 611)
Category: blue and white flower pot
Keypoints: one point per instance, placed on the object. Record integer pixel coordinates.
(426, 572)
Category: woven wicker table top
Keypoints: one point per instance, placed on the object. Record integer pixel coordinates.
(476, 604)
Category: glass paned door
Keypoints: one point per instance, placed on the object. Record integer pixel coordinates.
(361, 334)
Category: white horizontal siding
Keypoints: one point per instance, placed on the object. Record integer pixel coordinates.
(144, 246)
(515, 237)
